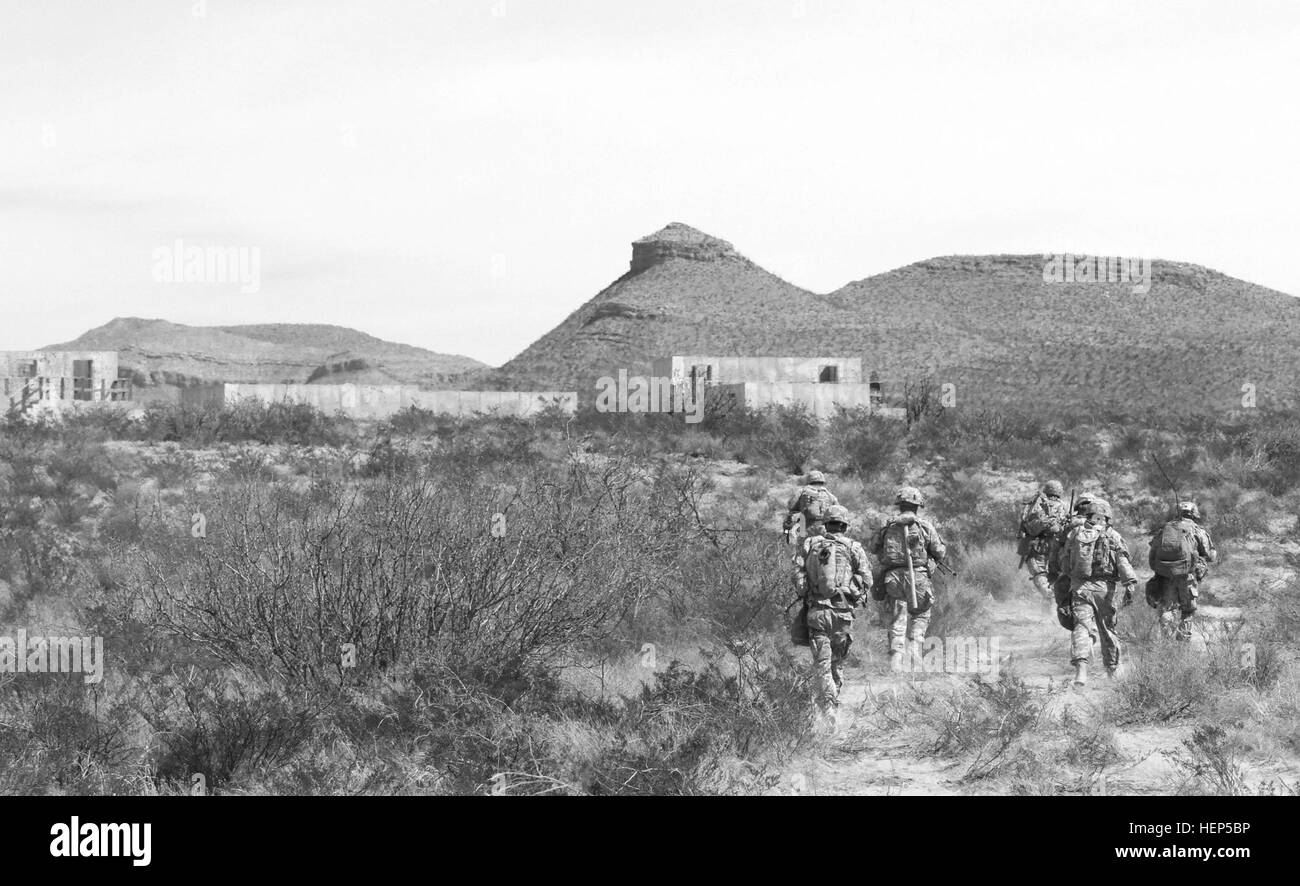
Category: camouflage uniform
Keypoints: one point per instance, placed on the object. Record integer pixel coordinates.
(1092, 599)
(1060, 580)
(813, 492)
(830, 622)
(1180, 592)
(1050, 513)
(925, 545)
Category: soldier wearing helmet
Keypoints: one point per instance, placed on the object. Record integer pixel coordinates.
(810, 504)
(907, 539)
(1041, 522)
(1096, 559)
(1059, 580)
(832, 576)
(1180, 556)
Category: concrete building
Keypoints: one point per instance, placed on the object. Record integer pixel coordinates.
(382, 401)
(735, 370)
(822, 400)
(57, 379)
(819, 384)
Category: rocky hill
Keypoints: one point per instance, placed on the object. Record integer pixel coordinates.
(160, 353)
(988, 324)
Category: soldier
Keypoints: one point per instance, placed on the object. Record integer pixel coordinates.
(1040, 523)
(812, 502)
(1095, 558)
(1181, 554)
(833, 576)
(906, 540)
(1060, 581)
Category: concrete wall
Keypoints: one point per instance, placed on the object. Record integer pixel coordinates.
(382, 401)
(46, 378)
(735, 370)
(212, 396)
(822, 400)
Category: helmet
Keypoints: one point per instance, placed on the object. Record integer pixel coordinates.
(1051, 487)
(1099, 508)
(816, 477)
(837, 514)
(909, 495)
(1189, 508)
(1081, 503)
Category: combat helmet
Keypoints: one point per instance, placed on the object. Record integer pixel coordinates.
(1081, 503)
(1189, 508)
(1053, 488)
(1099, 508)
(909, 495)
(815, 477)
(837, 514)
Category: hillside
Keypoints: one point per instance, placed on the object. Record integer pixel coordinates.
(158, 352)
(988, 324)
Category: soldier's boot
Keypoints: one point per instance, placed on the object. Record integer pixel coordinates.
(1080, 673)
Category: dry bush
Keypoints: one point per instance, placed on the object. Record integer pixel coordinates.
(400, 568)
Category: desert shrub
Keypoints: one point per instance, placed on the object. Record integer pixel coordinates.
(405, 567)
(1229, 512)
(871, 446)
(1165, 680)
(249, 420)
(959, 608)
(709, 732)
(55, 737)
(980, 718)
(993, 570)
(1212, 762)
(222, 725)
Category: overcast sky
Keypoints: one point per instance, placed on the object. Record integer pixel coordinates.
(461, 175)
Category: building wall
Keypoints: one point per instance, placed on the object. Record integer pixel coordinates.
(55, 370)
(735, 370)
(382, 401)
(822, 400)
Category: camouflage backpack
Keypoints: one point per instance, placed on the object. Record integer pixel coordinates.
(829, 567)
(1090, 550)
(1175, 550)
(1037, 519)
(817, 501)
(1024, 538)
(893, 553)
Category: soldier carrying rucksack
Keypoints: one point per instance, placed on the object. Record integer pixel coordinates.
(1060, 581)
(1180, 556)
(833, 576)
(1096, 559)
(904, 548)
(1040, 522)
(811, 502)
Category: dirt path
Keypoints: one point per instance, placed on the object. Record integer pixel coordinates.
(879, 751)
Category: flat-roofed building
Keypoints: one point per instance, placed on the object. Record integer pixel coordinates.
(54, 379)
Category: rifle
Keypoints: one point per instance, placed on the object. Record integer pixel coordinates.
(946, 568)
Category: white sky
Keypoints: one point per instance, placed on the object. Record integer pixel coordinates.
(462, 174)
